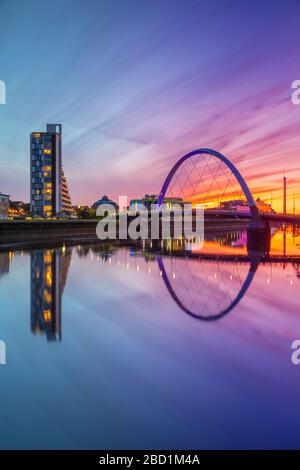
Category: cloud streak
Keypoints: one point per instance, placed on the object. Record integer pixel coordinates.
(137, 85)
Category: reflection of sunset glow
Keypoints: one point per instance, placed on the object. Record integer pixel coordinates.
(292, 243)
(214, 247)
(288, 243)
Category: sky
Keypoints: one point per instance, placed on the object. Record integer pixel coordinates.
(138, 83)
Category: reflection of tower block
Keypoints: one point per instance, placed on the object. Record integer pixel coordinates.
(4, 263)
(297, 269)
(48, 276)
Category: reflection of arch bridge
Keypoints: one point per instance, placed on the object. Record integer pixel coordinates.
(199, 291)
(208, 287)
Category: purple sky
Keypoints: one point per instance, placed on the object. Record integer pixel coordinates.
(136, 84)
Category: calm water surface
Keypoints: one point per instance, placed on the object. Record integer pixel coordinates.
(119, 348)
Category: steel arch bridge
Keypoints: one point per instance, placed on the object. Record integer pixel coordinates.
(203, 153)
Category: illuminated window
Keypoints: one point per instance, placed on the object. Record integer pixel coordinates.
(47, 168)
(48, 185)
(47, 315)
(47, 296)
(47, 257)
(48, 276)
(47, 151)
(37, 134)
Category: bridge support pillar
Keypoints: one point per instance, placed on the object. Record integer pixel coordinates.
(259, 238)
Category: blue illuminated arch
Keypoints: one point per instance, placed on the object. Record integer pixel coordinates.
(234, 170)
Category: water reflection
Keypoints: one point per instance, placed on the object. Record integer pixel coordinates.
(207, 289)
(4, 263)
(206, 284)
(130, 350)
(49, 270)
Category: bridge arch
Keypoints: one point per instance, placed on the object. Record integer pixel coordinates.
(205, 151)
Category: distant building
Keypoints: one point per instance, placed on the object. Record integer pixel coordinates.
(18, 209)
(83, 212)
(49, 194)
(105, 200)
(78, 208)
(150, 199)
(239, 205)
(4, 206)
(264, 207)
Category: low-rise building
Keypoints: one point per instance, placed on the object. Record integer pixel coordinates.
(4, 206)
(149, 200)
(239, 205)
(18, 209)
(105, 200)
(264, 207)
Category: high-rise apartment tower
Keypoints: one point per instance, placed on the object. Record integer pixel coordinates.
(49, 194)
